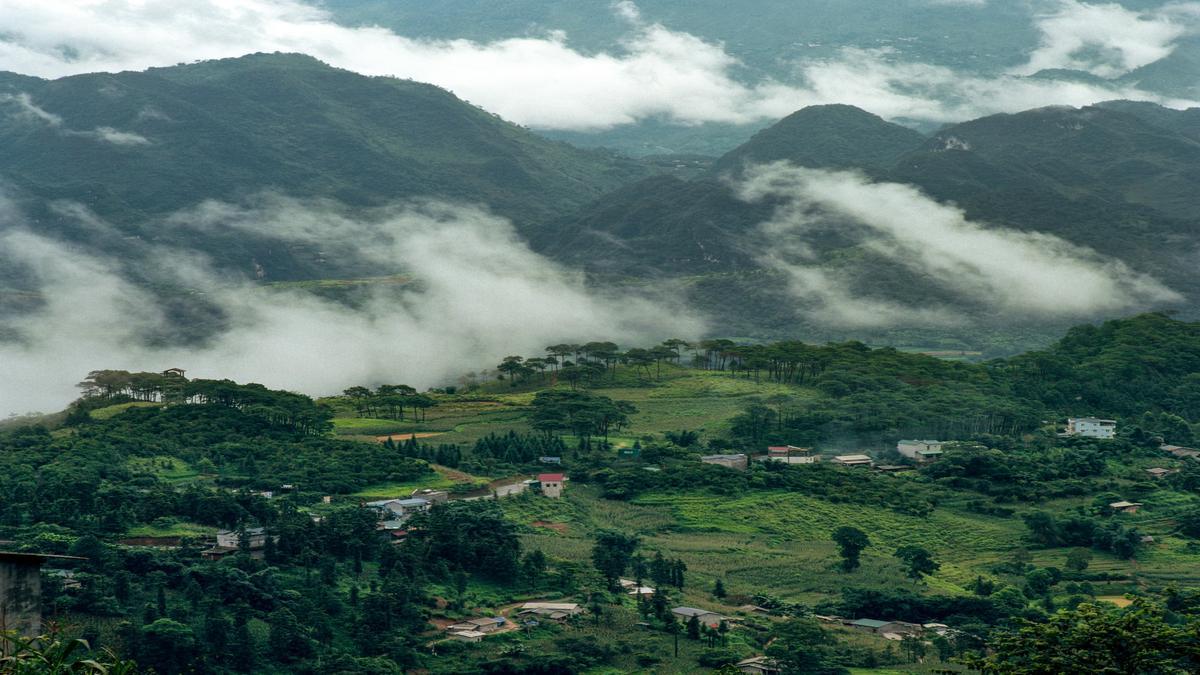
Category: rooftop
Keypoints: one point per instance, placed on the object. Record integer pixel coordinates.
(550, 477)
(869, 623)
(1124, 504)
(853, 458)
(691, 611)
(737, 456)
(415, 501)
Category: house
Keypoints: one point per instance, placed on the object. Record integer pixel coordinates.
(790, 454)
(551, 484)
(920, 451)
(327, 499)
(256, 538)
(1180, 451)
(901, 628)
(482, 625)
(869, 625)
(265, 494)
(1091, 427)
(705, 617)
(737, 461)
(1159, 472)
(400, 509)
(641, 591)
(550, 460)
(21, 591)
(853, 460)
(467, 636)
(759, 665)
(557, 611)
(754, 609)
(1125, 507)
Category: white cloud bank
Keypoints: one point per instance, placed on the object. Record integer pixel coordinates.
(1007, 272)
(479, 295)
(1107, 40)
(542, 81)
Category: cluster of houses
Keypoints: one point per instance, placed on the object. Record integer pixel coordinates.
(474, 630)
(920, 451)
(891, 630)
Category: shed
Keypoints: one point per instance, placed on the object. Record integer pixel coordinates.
(1125, 507)
(704, 616)
(759, 665)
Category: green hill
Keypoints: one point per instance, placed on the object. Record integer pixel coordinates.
(825, 136)
(134, 146)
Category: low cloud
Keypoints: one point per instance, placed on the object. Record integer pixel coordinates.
(1018, 274)
(478, 294)
(542, 81)
(22, 106)
(1107, 39)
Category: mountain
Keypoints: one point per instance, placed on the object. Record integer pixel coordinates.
(826, 136)
(1118, 178)
(134, 146)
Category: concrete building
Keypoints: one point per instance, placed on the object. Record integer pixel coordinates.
(21, 591)
(256, 538)
(400, 509)
(552, 484)
(1091, 427)
(737, 461)
(920, 451)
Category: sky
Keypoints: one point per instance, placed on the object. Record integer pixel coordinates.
(543, 80)
(514, 301)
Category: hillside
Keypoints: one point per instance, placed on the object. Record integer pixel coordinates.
(1011, 523)
(1115, 178)
(134, 146)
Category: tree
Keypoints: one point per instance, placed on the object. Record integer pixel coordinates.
(1093, 639)
(167, 647)
(918, 561)
(1078, 559)
(693, 628)
(851, 541)
(802, 646)
(718, 589)
(611, 555)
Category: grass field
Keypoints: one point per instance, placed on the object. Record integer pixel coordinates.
(109, 411)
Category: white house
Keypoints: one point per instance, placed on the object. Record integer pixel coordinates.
(1091, 427)
(921, 451)
(551, 484)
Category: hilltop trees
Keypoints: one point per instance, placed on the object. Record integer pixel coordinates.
(388, 401)
(579, 413)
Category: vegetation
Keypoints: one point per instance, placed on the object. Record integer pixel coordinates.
(1008, 539)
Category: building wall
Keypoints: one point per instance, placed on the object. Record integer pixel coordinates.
(552, 489)
(21, 597)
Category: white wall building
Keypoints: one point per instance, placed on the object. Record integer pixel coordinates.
(1091, 427)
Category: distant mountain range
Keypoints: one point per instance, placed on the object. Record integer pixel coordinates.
(134, 147)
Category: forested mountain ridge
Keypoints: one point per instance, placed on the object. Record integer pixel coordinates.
(136, 146)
